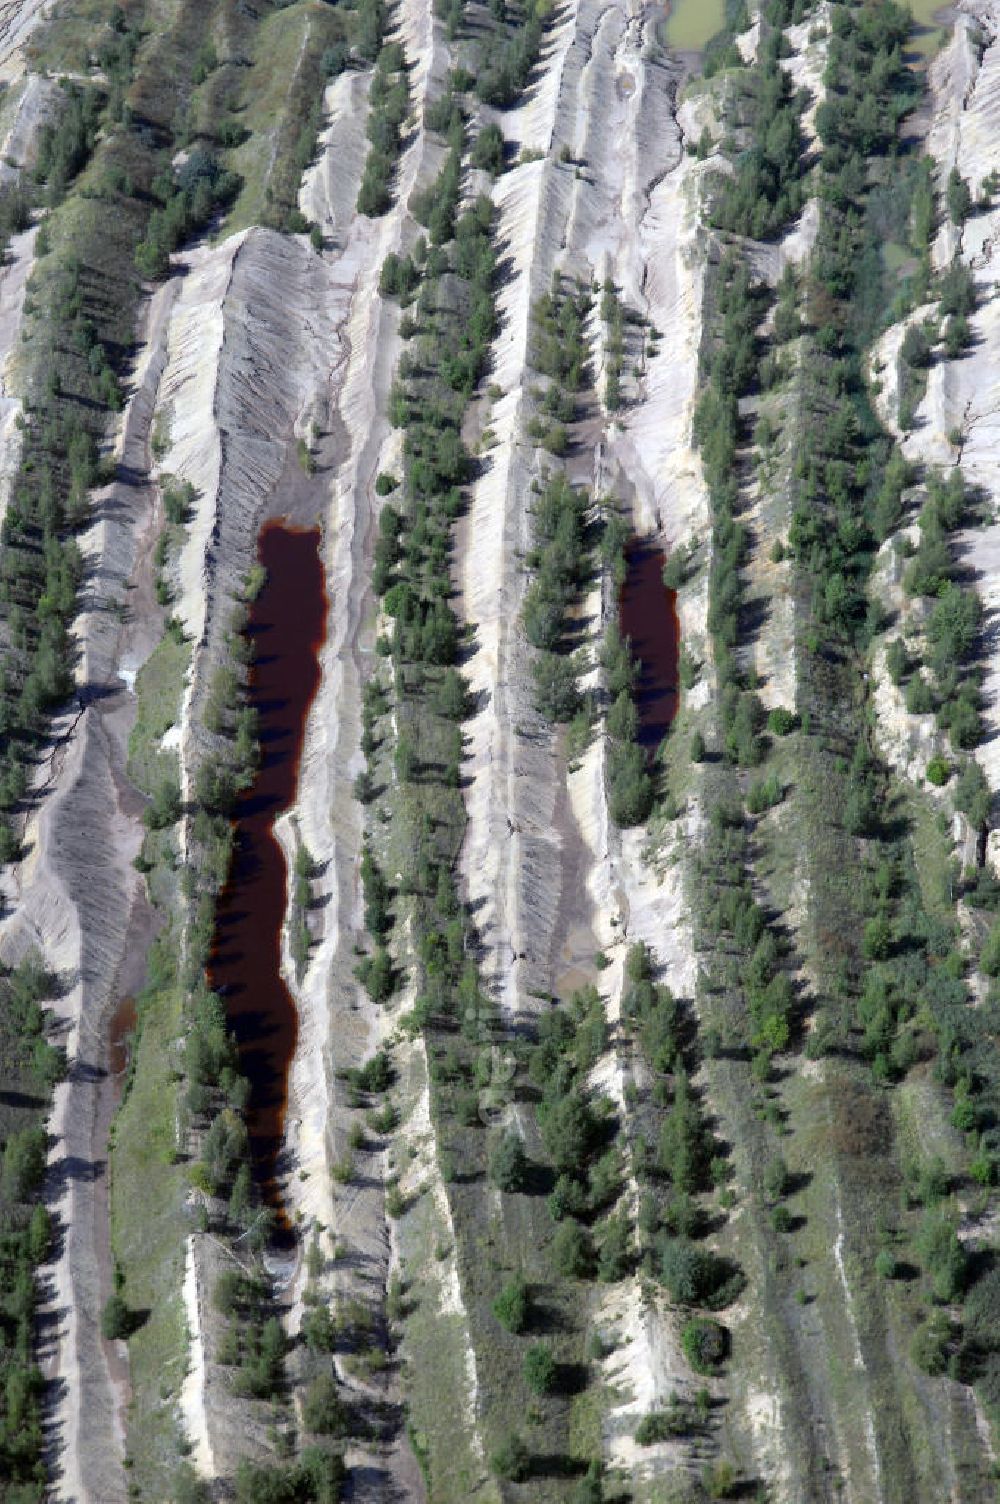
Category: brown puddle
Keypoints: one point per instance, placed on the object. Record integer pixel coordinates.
(121, 1032)
(648, 617)
(287, 624)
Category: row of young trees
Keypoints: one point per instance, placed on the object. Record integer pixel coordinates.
(388, 107)
(905, 998)
(73, 387)
(768, 185)
(439, 285)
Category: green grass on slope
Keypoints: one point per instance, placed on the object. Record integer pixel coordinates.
(158, 686)
(279, 102)
(147, 1229)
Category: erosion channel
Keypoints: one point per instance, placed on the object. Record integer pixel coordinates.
(286, 628)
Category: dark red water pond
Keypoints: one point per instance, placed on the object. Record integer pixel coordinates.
(287, 624)
(648, 616)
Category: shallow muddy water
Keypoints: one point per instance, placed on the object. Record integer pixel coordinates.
(286, 625)
(691, 24)
(648, 617)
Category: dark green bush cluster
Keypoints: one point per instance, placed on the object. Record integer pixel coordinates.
(559, 350)
(315, 1477)
(674, 1155)
(651, 1014)
(953, 625)
(560, 555)
(453, 328)
(909, 957)
(40, 562)
(65, 145)
(767, 188)
(30, 1066)
(507, 58)
(578, 1133)
(731, 368)
(705, 1344)
(376, 972)
(629, 782)
(488, 150)
(844, 472)
(370, 30)
(388, 106)
(613, 315)
(730, 909)
(557, 561)
(870, 90)
(957, 303)
(436, 207)
(188, 196)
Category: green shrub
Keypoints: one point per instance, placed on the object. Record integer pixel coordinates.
(508, 1162)
(781, 721)
(971, 793)
(930, 1345)
(989, 959)
(886, 1266)
(322, 1409)
(657, 1426)
(776, 1178)
(571, 1250)
(942, 1254)
(511, 1460)
(897, 660)
(116, 1319)
(488, 150)
(705, 1344)
(763, 794)
(540, 1370)
(377, 975)
(512, 1307)
(938, 771)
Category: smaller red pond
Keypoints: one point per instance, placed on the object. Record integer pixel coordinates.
(648, 617)
(286, 625)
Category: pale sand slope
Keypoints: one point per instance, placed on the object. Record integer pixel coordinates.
(18, 19)
(642, 230)
(24, 115)
(632, 214)
(42, 896)
(963, 394)
(541, 870)
(14, 274)
(267, 338)
(339, 1027)
(79, 901)
(253, 336)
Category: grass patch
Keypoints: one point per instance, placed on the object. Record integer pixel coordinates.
(159, 685)
(148, 1228)
(282, 90)
(932, 853)
(434, 1349)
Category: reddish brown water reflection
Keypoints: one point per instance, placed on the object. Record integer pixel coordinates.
(648, 616)
(121, 1032)
(287, 625)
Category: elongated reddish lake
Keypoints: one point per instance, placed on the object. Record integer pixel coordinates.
(648, 617)
(287, 624)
